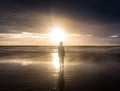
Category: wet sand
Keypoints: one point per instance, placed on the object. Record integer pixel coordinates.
(40, 72)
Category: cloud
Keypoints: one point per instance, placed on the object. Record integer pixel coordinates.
(115, 36)
(29, 38)
(80, 35)
(29, 35)
(36, 38)
(23, 35)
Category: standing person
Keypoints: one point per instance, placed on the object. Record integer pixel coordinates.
(61, 54)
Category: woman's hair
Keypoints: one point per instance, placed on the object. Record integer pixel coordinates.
(61, 43)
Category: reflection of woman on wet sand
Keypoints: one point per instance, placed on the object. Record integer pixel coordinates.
(61, 54)
(61, 81)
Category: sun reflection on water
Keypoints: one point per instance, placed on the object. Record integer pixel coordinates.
(56, 60)
(15, 61)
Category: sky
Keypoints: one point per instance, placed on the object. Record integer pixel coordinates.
(85, 22)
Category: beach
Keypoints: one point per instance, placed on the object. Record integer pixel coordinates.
(40, 71)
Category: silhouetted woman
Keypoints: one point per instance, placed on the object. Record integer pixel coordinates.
(61, 54)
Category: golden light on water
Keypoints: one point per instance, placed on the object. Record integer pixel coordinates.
(56, 60)
(57, 34)
(22, 62)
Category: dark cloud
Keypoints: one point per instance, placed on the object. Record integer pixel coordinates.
(102, 9)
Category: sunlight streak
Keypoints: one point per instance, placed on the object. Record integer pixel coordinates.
(56, 60)
(23, 62)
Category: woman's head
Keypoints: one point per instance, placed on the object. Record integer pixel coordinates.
(61, 43)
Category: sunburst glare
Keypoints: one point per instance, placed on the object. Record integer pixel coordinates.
(57, 34)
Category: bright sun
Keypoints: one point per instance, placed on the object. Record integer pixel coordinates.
(58, 34)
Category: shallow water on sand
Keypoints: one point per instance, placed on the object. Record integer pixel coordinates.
(40, 72)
